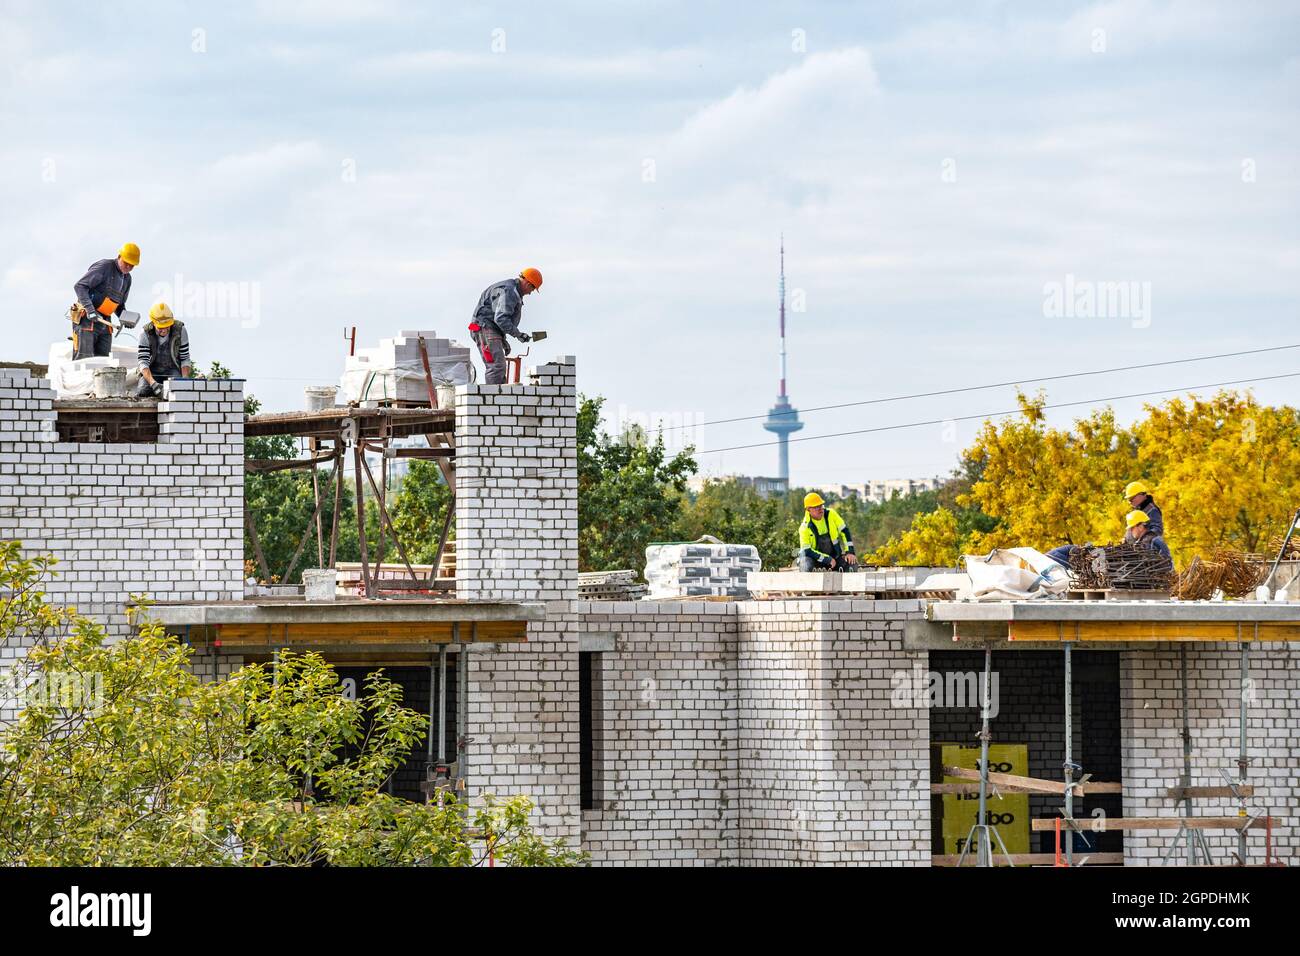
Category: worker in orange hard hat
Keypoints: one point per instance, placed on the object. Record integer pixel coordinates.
(101, 294)
(498, 314)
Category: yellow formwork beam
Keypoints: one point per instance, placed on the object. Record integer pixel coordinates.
(1164, 631)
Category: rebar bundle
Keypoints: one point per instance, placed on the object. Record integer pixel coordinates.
(1242, 572)
(1235, 573)
(1292, 552)
(1198, 582)
(1119, 566)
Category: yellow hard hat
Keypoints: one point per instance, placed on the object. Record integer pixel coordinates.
(812, 500)
(1136, 518)
(161, 315)
(532, 277)
(130, 253)
(1136, 488)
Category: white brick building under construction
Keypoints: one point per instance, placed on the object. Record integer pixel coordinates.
(762, 732)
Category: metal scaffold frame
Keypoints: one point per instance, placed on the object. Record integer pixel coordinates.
(329, 435)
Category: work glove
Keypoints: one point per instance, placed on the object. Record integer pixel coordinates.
(524, 337)
(157, 389)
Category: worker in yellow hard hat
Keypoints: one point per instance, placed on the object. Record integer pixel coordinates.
(498, 314)
(1143, 535)
(101, 294)
(164, 351)
(825, 542)
(1139, 498)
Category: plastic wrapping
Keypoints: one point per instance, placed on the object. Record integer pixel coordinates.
(1013, 574)
(700, 569)
(394, 370)
(76, 379)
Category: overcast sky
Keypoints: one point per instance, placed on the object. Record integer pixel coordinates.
(935, 168)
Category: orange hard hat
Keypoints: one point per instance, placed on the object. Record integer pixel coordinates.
(532, 277)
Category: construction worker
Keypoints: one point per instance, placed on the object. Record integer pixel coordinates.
(1139, 497)
(164, 351)
(825, 542)
(101, 293)
(498, 313)
(1141, 533)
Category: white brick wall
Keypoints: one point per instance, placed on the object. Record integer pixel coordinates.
(522, 721)
(667, 708)
(161, 519)
(1151, 710)
(517, 488)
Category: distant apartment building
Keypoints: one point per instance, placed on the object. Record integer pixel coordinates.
(882, 490)
(766, 487)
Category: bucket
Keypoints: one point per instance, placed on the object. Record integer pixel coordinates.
(320, 397)
(446, 396)
(109, 382)
(320, 584)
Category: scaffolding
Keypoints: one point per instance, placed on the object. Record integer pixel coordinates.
(332, 436)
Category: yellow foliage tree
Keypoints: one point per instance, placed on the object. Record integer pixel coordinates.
(1225, 472)
(932, 540)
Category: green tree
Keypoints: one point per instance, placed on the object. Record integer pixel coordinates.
(143, 764)
(737, 514)
(629, 492)
(419, 509)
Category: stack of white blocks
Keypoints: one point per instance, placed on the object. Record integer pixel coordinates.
(697, 570)
(394, 369)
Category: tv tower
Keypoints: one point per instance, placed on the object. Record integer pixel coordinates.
(783, 419)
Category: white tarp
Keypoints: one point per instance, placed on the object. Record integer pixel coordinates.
(76, 379)
(1013, 574)
(394, 370)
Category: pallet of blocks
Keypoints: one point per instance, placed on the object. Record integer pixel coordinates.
(610, 586)
(700, 569)
(393, 371)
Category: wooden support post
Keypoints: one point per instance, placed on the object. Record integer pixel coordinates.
(442, 538)
(257, 546)
(313, 444)
(383, 517)
(357, 462)
(338, 502)
(302, 543)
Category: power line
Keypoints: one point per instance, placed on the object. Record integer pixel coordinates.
(978, 388)
(1015, 411)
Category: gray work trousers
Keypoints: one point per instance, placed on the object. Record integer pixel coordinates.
(493, 349)
(92, 342)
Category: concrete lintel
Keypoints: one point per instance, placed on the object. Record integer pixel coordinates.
(1174, 612)
(342, 612)
(597, 642)
(919, 635)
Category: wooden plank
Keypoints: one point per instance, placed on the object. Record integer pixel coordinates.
(1177, 793)
(1034, 784)
(1053, 631)
(361, 633)
(1088, 789)
(1032, 859)
(1105, 824)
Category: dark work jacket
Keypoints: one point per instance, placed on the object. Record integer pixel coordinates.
(500, 307)
(1156, 521)
(103, 280)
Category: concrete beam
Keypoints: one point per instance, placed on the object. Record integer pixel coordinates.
(1170, 612)
(343, 612)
